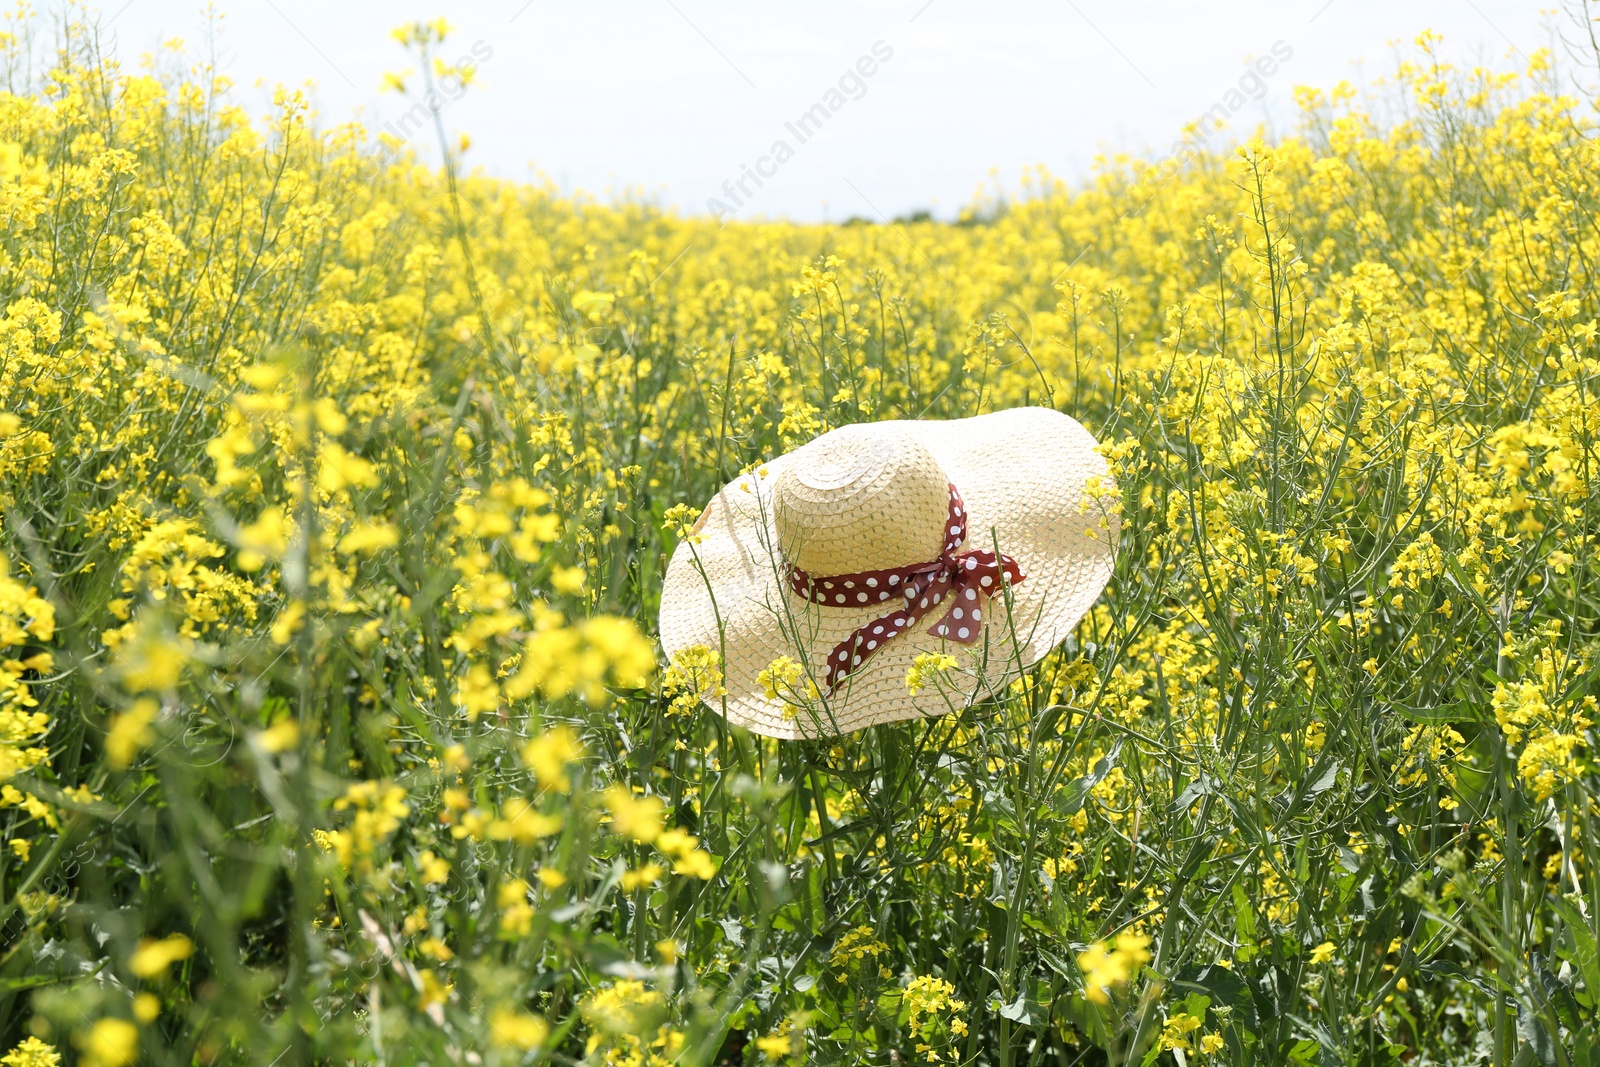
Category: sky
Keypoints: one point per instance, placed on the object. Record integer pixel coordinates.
(915, 104)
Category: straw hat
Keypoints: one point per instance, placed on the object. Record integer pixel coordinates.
(870, 502)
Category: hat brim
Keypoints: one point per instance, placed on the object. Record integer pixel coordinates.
(1025, 476)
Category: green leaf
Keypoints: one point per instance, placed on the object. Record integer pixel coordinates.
(1326, 780)
(1244, 915)
(1577, 943)
(1445, 714)
(1557, 993)
(1535, 1038)
(1218, 985)
(1070, 799)
(1017, 1010)
(1193, 792)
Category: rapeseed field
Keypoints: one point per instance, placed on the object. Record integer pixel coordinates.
(336, 490)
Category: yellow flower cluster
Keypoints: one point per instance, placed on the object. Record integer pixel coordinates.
(781, 680)
(31, 1053)
(377, 810)
(854, 948)
(1176, 1030)
(693, 676)
(27, 621)
(108, 1042)
(926, 668)
(627, 1027)
(923, 1004)
(1107, 968)
(560, 660)
(686, 854)
(153, 956)
(1549, 730)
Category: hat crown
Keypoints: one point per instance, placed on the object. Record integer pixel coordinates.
(861, 498)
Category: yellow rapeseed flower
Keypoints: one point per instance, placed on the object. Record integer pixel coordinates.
(639, 818)
(925, 668)
(129, 733)
(31, 1052)
(512, 1028)
(548, 755)
(521, 822)
(1110, 967)
(152, 958)
(108, 1043)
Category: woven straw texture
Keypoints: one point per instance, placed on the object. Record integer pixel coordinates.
(874, 496)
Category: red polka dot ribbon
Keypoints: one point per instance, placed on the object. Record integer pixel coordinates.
(966, 579)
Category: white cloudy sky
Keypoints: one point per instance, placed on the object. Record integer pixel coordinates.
(669, 98)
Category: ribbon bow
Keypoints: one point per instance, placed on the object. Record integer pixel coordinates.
(967, 579)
